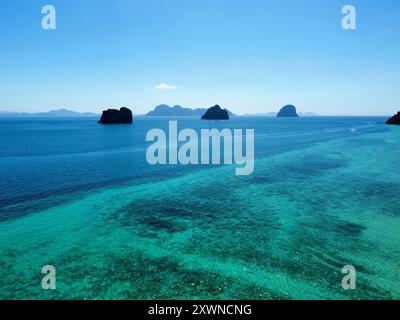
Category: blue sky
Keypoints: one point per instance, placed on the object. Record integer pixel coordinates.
(250, 56)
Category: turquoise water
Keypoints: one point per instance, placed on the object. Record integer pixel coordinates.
(81, 197)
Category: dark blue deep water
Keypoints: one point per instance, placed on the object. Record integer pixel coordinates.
(43, 157)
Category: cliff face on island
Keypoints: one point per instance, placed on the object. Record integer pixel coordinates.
(114, 116)
(288, 111)
(216, 113)
(395, 119)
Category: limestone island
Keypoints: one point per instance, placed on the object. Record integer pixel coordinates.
(216, 113)
(114, 116)
(395, 119)
(288, 111)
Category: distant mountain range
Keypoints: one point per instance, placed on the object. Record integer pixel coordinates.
(52, 113)
(164, 110)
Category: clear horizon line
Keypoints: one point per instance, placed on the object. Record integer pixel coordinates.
(256, 114)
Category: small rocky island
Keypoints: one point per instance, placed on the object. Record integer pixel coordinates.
(288, 111)
(216, 113)
(114, 116)
(395, 119)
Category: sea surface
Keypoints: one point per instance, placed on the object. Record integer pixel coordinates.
(325, 193)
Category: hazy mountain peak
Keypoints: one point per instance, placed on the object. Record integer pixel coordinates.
(62, 112)
(164, 110)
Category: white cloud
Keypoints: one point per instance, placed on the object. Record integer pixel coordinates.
(164, 86)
